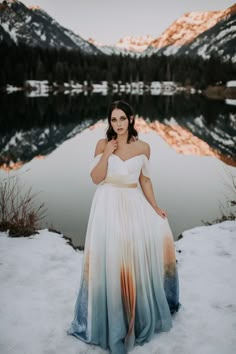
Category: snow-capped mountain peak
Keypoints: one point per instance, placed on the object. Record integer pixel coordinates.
(137, 43)
(128, 45)
(194, 33)
(95, 42)
(186, 28)
(34, 27)
(34, 7)
(199, 33)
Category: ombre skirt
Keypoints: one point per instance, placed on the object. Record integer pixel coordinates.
(129, 283)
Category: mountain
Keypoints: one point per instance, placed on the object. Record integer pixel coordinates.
(128, 45)
(22, 146)
(220, 136)
(34, 27)
(219, 40)
(191, 32)
(136, 44)
(195, 33)
(110, 49)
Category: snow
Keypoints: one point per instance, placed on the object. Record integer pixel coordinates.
(39, 88)
(199, 121)
(43, 37)
(185, 30)
(171, 50)
(202, 51)
(231, 83)
(205, 19)
(231, 102)
(223, 140)
(100, 88)
(28, 19)
(11, 88)
(40, 34)
(10, 2)
(15, 139)
(227, 139)
(226, 32)
(215, 133)
(134, 43)
(10, 30)
(79, 41)
(40, 277)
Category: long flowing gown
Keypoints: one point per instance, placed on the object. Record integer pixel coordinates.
(129, 283)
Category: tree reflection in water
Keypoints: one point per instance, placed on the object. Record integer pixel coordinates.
(36, 126)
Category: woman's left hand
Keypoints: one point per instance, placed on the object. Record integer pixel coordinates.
(160, 212)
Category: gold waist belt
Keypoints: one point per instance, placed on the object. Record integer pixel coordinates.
(118, 183)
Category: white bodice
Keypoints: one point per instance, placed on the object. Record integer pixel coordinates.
(127, 171)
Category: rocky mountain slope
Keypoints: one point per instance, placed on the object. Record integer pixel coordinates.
(199, 33)
(218, 40)
(195, 33)
(34, 27)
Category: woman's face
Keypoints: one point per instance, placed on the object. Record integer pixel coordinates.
(119, 121)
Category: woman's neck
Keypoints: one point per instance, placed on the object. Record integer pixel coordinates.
(122, 139)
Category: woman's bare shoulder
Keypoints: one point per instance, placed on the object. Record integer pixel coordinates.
(102, 142)
(100, 147)
(143, 147)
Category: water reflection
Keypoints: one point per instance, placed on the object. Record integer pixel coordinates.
(50, 142)
(37, 126)
(189, 188)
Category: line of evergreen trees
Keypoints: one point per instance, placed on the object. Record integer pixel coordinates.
(20, 63)
(64, 109)
(60, 114)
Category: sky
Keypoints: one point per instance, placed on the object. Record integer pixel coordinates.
(107, 21)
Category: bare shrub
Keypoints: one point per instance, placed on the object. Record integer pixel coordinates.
(19, 212)
(228, 212)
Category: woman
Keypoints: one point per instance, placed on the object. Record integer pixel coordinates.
(129, 281)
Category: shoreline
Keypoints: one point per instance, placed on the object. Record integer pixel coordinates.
(36, 88)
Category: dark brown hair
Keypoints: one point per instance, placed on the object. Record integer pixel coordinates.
(128, 110)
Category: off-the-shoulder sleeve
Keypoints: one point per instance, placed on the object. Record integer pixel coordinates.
(94, 161)
(146, 169)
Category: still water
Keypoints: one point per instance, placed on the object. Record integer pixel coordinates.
(192, 189)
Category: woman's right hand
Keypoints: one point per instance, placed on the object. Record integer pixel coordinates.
(111, 146)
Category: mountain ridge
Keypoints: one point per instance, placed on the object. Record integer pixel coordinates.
(218, 40)
(190, 22)
(182, 32)
(35, 27)
(193, 34)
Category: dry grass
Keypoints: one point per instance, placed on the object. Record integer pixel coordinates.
(19, 212)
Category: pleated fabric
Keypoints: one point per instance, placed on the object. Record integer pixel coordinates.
(129, 285)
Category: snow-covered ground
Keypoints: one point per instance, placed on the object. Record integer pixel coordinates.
(40, 276)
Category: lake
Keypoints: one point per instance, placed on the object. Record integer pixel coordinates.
(49, 142)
